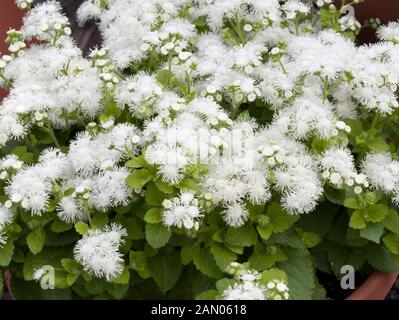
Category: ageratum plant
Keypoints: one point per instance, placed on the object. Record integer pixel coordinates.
(210, 149)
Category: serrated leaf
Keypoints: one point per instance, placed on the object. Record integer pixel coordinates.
(157, 235)
(300, 272)
(165, 268)
(279, 218)
(265, 258)
(244, 236)
(289, 238)
(273, 274)
(205, 263)
(35, 240)
(189, 250)
(6, 252)
(81, 227)
(265, 232)
(223, 256)
(391, 221)
(392, 242)
(123, 277)
(99, 220)
(71, 266)
(138, 262)
(376, 213)
(188, 184)
(373, 232)
(356, 221)
(381, 258)
(153, 196)
(163, 186)
(138, 178)
(59, 226)
(136, 162)
(154, 215)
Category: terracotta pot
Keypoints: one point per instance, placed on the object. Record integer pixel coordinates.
(376, 287)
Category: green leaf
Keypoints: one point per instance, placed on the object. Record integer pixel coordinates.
(164, 76)
(339, 256)
(136, 162)
(381, 258)
(223, 256)
(377, 144)
(205, 263)
(71, 266)
(99, 220)
(123, 277)
(309, 239)
(164, 187)
(49, 256)
(165, 268)
(391, 221)
(154, 215)
(6, 252)
(138, 178)
(273, 274)
(373, 232)
(279, 218)
(138, 262)
(244, 236)
(81, 227)
(392, 242)
(157, 235)
(265, 232)
(376, 213)
(59, 226)
(135, 228)
(153, 196)
(265, 257)
(333, 195)
(300, 271)
(289, 238)
(189, 250)
(356, 221)
(35, 240)
(188, 184)
(207, 295)
(352, 203)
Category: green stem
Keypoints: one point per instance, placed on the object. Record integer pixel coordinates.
(282, 66)
(53, 137)
(87, 212)
(6, 81)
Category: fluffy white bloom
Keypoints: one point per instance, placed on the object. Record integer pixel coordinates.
(182, 211)
(389, 32)
(383, 173)
(98, 251)
(245, 291)
(6, 216)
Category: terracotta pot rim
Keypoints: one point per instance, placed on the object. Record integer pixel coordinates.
(376, 287)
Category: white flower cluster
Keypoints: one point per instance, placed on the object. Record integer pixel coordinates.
(90, 170)
(338, 168)
(98, 251)
(6, 217)
(182, 211)
(248, 286)
(383, 173)
(186, 91)
(51, 83)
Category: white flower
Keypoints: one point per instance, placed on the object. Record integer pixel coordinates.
(235, 215)
(98, 251)
(181, 211)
